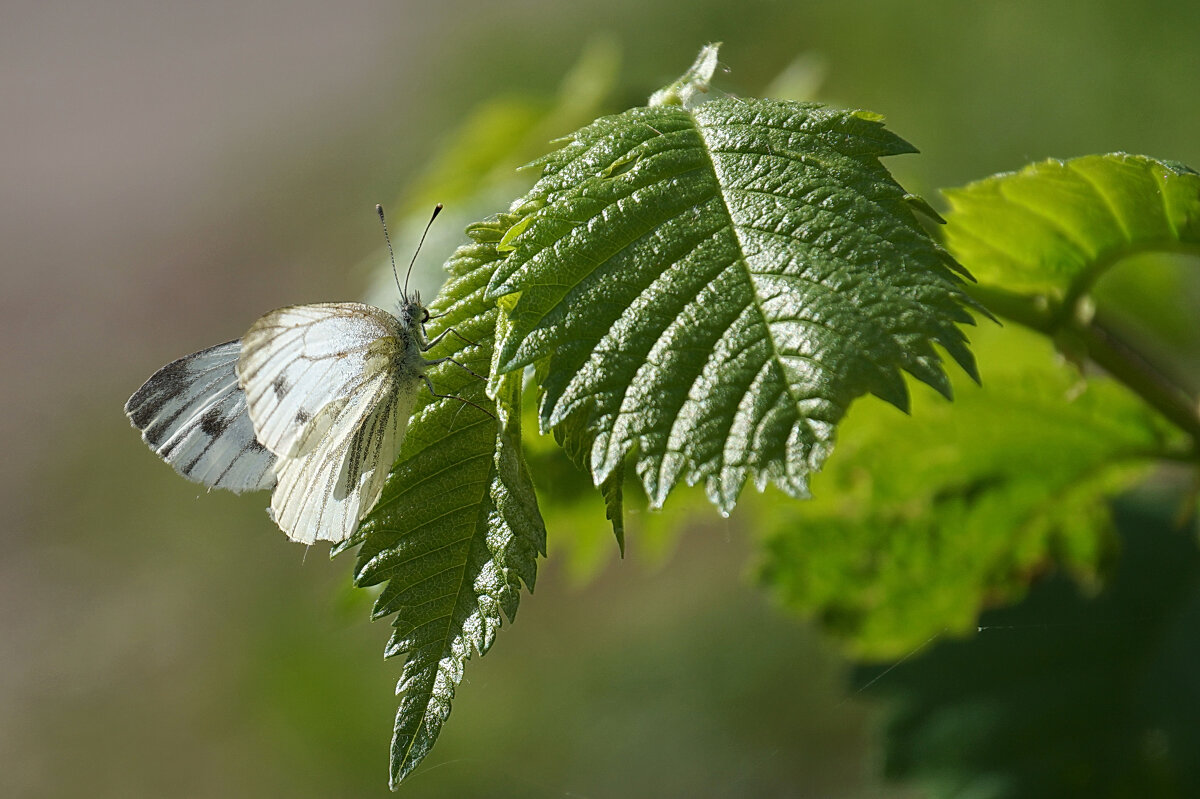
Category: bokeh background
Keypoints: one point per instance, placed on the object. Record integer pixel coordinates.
(170, 171)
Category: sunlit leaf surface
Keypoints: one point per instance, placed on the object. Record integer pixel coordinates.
(710, 288)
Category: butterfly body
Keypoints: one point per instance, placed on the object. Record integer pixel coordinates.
(314, 401)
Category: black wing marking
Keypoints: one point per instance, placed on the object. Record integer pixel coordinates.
(192, 413)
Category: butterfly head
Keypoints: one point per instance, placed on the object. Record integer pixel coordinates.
(413, 312)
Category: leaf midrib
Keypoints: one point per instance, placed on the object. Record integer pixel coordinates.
(743, 261)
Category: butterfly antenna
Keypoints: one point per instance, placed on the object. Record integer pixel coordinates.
(437, 209)
(388, 239)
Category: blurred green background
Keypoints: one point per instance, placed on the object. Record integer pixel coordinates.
(172, 171)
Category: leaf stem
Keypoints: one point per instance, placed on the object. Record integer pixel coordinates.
(1124, 362)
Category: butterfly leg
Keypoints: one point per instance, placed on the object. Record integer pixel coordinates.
(466, 369)
(434, 341)
(429, 383)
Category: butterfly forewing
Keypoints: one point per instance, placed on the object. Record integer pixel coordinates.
(330, 390)
(296, 361)
(193, 414)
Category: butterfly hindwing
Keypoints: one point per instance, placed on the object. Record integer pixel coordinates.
(314, 400)
(193, 415)
(324, 493)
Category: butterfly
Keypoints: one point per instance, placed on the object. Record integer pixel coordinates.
(313, 402)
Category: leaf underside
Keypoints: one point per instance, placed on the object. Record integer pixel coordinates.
(710, 289)
(457, 530)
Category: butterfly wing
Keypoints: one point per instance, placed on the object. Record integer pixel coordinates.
(299, 363)
(193, 414)
(326, 393)
(324, 493)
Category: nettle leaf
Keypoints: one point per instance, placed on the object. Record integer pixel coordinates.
(1055, 226)
(711, 287)
(457, 529)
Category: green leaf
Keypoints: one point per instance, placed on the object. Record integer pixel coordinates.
(612, 489)
(1043, 236)
(917, 527)
(505, 245)
(691, 87)
(710, 288)
(457, 529)
(1055, 226)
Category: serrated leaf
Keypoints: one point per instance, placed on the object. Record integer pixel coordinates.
(1010, 480)
(717, 305)
(614, 509)
(457, 530)
(1056, 224)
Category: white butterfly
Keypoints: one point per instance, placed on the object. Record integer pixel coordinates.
(313, 400)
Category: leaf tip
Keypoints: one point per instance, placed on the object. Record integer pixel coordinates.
(688, 91)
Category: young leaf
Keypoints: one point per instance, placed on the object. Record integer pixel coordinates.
(1055, 226)
(691, 87)
(1042, 237)
(711, 287)
(457, 530)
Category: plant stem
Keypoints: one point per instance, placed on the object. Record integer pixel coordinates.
(1120, 359)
